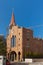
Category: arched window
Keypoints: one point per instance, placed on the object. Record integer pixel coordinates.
(13, 41)
(19, 56)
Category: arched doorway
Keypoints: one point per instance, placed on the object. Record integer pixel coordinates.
(19, 56)
(13, 56)
(8, 55)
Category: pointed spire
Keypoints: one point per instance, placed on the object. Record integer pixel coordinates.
(12, 20)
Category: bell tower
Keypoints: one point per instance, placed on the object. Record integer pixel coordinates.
(12, 23)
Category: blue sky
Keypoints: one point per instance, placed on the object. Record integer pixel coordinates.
(27, 13)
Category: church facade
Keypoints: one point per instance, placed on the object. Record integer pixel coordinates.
(20, 41)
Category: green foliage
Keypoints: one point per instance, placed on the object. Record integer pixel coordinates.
(2, 46)
(33, 55)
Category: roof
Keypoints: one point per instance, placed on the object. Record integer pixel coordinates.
(12, 22)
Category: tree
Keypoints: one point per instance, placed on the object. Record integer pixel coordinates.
(2, 46)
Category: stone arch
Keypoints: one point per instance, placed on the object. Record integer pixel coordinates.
(13, 56)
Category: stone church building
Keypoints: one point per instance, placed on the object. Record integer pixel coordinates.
(20, 41)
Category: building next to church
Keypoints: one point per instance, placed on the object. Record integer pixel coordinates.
(20, 41)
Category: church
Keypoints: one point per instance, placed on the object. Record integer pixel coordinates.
(20, 41)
